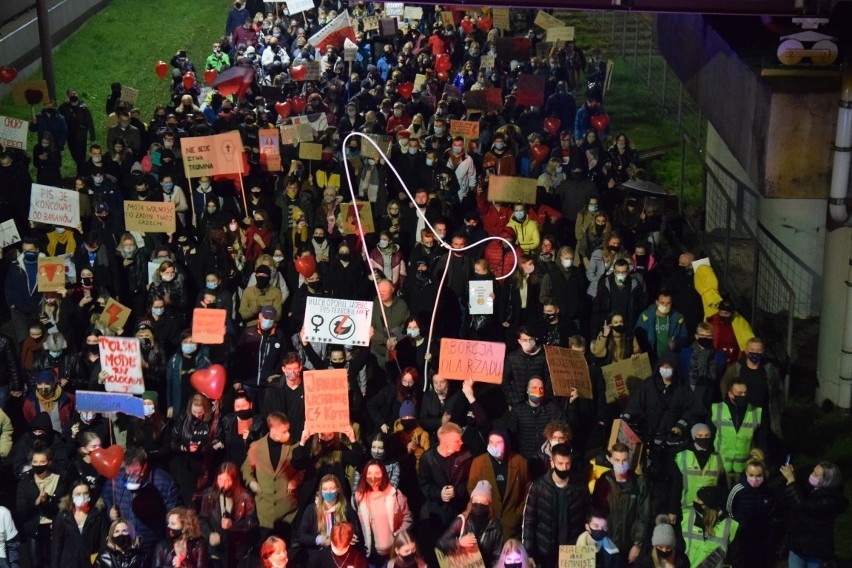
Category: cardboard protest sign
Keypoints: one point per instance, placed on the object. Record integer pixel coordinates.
(313, 73)
(129, 94)
(577, 556)
(493, 99)
(562, 33)
(298, 6)
(334, 32)
(623, 433)
(349, 223)
(500, 18)
(317, 121)
(114, 316)
(487, 61)
(152, 269)
(292, 134)
(568, 369)
(619, 376)
(350, 50)
(121, 358)
(474, 100)
(55, 206)
(13, 132)
(370, 23)
(212, 155)
(530, 90)
(511, 189)
(460, 558)
(467, 129)
(383, 141)
(394, 9)
(51, 273)
(509, 48)
(104, 402)
(412, 13)
(452, 91)
(331, 320)
(419, 81)
(610, 67)
(480, 300)
(310, 151)
(478, 360)
(32, 92)
(326, 400)
(546, 21)
(388, 27)
(208, 326)
(270, 153)
(9, 233)
(150, 216)
(448, 19)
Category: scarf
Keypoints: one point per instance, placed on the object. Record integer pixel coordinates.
(47, 403)
(703, 368)
(66, 240)
(368, 183)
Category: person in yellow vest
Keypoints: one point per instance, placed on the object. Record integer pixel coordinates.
(708, 530)
(699, 466)
(739, 427)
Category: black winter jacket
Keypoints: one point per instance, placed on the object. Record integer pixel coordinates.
(527, 423)
(111, 558)
(489, 537)
(658, 408)
(812, 517)
(517, 372)
(10, 374)
(541, 525)
(69, 547)
(432, 480)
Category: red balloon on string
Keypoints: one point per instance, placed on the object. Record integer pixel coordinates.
(210, 76)
(210, 381)
(539, 152)
(34, 96)
(306, 265)
(8, 74)
(188, 80)
(600, 122)
(443, 77)
(283, 108)
(552, 124)
(299, 102)
(107, 461)
(485, 23)
(161, 68)
(442, 62)
(299, 72)
(405, 89)
(467, 25)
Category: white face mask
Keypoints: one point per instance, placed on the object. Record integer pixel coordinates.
(80, 500)
(567, 262)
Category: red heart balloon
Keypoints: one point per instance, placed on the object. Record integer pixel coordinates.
(443, 63)
(188, 80)
(283, 109)
(210, 76)
(107, 461)
(552, 124)
(33, 96)
(405, 89)
(299, 102)
(306, 265)
(8, 74)
(485, 23)
(539, 152)
(161, 68)
(467, 25)
(299, 72)
(210, 381)
(443, 77)
(600, 122)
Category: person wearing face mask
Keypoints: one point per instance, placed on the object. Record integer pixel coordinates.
(763, 379)
(258, 352)
(328, 508)
(39, 433)
(236, 17)
(528, 420)
(22, 293)
(379, 452)
(739, 426)
(463, 166)
(501, 156)
(48, 121)
(731, 331)
(508, 475)
(526, 230)
(703, 366)
(404, 553)
(122, 547)
(37, 504)
(659, 329)
(565, 285)
(752, 503)
(388, 258)
(125, 130)
(664, 551)
(410, 436)
(56, 356)
(555, 510)
(78, 528)
(698, 465)
(227, 516)
(196, 436)
(476, 527)
(602, 263)
(49, 397)
(626, 497)
(260, 295)
(619, 292)
(184, 545)
(708, 530)
(522, 365)
(191, 357)
(607, 553)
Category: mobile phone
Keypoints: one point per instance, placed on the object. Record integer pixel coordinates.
(787, 461)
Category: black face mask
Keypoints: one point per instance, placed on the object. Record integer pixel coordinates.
(122, 541)
(741, 401)
(563, 475)
(95, 349)
(408, 423)
(341, 365)
(175, 534)
(87, 281)
(597, 534)
(617, 328)
(345, 257)
(262, 282)
(244, 414)
(320, 239)
(479, 510)
(39, 469)
(705, 342)
(704, 443)
(258, 223)
(549, 317)
(665, 553)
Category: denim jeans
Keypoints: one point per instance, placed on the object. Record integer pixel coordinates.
(796, 561)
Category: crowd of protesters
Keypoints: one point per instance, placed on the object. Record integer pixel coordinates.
(429, 467)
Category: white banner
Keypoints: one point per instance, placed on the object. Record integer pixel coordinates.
(13, 132)
(121, 358)
(297, 6)
(481, 297)
(55, 206)
(334, 33)
(331, 320)
(9, 233)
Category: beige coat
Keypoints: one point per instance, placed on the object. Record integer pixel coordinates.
(274, 501)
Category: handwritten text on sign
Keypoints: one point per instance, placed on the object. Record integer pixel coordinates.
(326, 400)
(13, 132)
(208, 325)
(212, 155)
(330, 320)
(121, 358)
(150, 216)
(478, 360)
(576, 557)
(568, 369)
(55, 206)
(619, 376)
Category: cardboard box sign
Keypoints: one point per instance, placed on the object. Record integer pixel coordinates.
(623, 433)
(620, 378)
(577, 556)
(348, 221)
(51, 273)
(121, 358)
(478, 360)
(150, 216)
(568, 369)
(530, 90)
(114, 316)
(511, 189)
(208, 326)
(326, 400)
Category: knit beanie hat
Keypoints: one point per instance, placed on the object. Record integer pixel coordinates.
(407, 409)
(152, 396)
(698, 428)
(482, 489)
(664, 534)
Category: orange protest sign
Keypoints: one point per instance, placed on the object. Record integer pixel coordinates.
(208, 326)
(478, 360)
(467, 129)
(114, 316)
(212, 155)
(568, 369)
(348, 222)
(326, 400)
(51, 273)
(32, 92)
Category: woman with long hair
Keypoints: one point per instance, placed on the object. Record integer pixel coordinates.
(228, 518)
(123, 549)
(383, 512)
(38, 496)
(78, 529)
(326, 453)
(184, 546)
(149, 433)
(477, 526)
(384, 406)
(513, 555)
(81, 468)
(404, 553)
(751, 503)
(328, 509)
(195, 440)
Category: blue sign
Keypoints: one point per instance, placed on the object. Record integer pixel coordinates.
(93, 401)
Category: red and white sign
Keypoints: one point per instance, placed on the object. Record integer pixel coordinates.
(334, 33)
(121, 358)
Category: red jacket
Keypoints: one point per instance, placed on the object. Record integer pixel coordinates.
(493, 221)
(66, 408)
(501, 261)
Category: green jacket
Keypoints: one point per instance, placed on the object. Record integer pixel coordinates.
(629, 508)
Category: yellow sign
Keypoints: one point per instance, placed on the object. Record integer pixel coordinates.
(546, 21)
(511, 189)
(150, 216)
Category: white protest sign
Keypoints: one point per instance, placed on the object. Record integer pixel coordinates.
(9, 233)
(350, 50)
(152, 270)
(297, 6)
(129, 94)
(394, 9)
(55, 206)
(121, 358)
(13, 132)
(331, 320)
(480, 298)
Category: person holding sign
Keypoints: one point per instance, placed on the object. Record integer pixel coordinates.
(607, 554)
(477, 527)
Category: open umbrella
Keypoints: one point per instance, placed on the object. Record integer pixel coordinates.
(646, 187)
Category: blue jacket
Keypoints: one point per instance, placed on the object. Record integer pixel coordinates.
(54, 124)
(20, 292)
(145, 508)
(646, 333)
(236, 18)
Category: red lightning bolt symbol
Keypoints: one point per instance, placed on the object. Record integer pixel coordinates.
(339, 329)
(113, 312)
